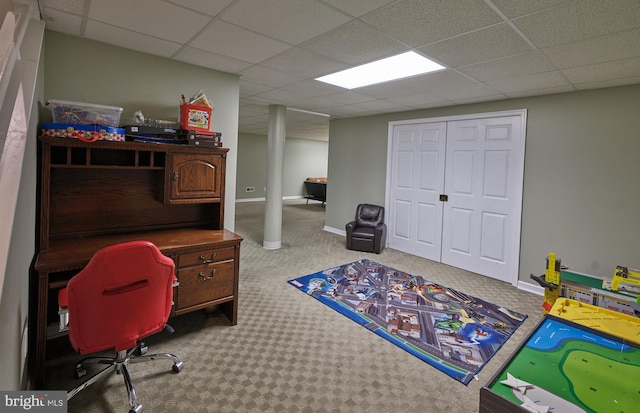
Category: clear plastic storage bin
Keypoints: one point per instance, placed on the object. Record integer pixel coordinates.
(80, 113)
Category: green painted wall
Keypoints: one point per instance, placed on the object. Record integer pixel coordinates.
(580, 194)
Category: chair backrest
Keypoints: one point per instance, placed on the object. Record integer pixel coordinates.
(124, 294)
(316, 189)
(368, 215)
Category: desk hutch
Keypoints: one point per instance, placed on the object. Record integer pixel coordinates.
(102, 193)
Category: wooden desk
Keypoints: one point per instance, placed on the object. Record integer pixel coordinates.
(97, 194)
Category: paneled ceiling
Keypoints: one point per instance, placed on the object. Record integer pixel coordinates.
(492, 49)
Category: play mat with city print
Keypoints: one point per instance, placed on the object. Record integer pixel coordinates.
(452, 331)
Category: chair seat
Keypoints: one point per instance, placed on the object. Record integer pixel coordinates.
(364, 232)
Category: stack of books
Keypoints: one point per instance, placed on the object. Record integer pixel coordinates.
(205, 139)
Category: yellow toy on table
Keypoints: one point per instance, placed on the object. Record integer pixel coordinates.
(550, 281)
(625, 276)
(610, 322)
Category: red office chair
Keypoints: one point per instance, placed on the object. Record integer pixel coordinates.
(122, 296)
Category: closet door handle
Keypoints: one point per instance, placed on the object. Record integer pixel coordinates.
(174, 176)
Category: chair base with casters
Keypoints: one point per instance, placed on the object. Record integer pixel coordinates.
(119, 364)
(368, 232)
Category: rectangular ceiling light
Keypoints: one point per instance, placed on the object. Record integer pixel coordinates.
(391, 68)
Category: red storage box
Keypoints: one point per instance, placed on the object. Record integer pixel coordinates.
(196, 118)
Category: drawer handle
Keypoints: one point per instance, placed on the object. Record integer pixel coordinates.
(205, 261)
(206, 278)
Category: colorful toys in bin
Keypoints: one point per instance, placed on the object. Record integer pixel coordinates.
(78, 113)
(85, 133)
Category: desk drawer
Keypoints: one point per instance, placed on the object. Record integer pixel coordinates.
(206, 257)
(204, 283)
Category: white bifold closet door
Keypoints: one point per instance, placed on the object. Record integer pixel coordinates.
(455, 192)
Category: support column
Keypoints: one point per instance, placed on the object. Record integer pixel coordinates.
(275, 172)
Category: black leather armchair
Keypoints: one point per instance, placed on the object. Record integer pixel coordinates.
(367, 232)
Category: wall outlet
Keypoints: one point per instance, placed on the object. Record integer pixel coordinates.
(250, 189)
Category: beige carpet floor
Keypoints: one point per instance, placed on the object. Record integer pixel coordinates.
(290, 353)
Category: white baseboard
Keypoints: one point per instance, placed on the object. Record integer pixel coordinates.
(250, 200)
(263, 199)
(530, 288)
(335, 231)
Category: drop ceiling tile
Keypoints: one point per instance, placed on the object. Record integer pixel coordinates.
(252, 108)
(540, 92)
(266, 76)
(492, 98)
(208, 7)
(303, 63)
(608, 83)
(518, 8)
(390, 89)
(291, 21)
(346, 111)
(279, 96)
(354, 43)
(238, 43)
(579, 20)
(63, 22)
(204, 58)
(318, 104)
(358, 8)
(383, 106)
(601, 49)
(438, 81)
(525, 63)
(419, 100)
(348, 97)
(481, 45)
(419, 22)
(604, 71)
(529, 82)
(463, 92)
(251, 89)
(154, 18)
(68, 6)
(130, 40)
(311, 87)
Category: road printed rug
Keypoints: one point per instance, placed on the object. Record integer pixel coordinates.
(454, 332)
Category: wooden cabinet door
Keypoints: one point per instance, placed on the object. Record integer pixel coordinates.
(193, 178)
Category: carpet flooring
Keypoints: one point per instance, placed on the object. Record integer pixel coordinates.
(272, 361)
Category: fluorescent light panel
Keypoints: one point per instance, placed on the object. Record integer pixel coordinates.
(391, 68)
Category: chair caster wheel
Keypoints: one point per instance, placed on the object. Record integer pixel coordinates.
(142, 349)
(177, 368)
(136, 409)
(80, 371)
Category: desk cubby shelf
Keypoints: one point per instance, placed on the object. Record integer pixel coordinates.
(81, 157)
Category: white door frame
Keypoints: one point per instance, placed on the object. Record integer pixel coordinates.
(522, 113)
